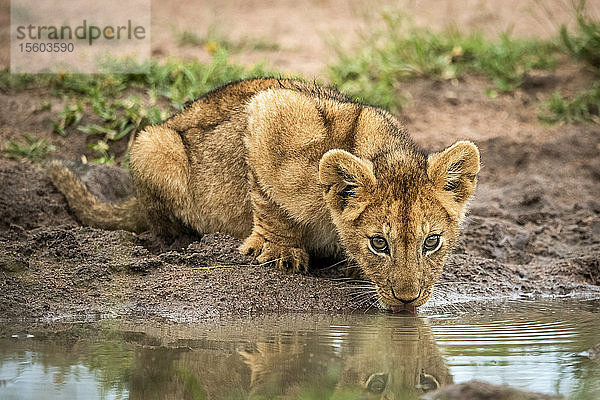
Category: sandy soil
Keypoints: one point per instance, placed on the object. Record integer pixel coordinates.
(534, 228)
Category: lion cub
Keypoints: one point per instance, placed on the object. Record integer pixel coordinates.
(297, 169)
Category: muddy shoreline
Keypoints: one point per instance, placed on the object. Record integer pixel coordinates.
(533, 231)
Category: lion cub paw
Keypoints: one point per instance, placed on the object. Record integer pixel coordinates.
(288, 258)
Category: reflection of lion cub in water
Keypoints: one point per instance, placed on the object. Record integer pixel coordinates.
(296, 169)
(384, 359)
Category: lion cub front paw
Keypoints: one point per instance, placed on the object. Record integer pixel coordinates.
(287, 258)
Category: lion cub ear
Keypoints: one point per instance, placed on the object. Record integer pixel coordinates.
(455, 170)
(348, 181)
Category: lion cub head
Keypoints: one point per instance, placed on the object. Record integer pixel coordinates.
(398, 214)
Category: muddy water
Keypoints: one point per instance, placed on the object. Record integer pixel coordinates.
(535, 346)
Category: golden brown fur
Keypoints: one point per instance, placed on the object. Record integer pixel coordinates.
(296, 169)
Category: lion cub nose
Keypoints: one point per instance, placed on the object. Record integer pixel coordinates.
(406, 297)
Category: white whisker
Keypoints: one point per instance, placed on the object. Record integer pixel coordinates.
(335, 264)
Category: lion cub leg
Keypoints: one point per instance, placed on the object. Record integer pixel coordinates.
(274, 238)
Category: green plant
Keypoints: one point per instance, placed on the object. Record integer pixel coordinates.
(189, 38)
(33, 149)
(103, 156)
(261, 44)
(115, 105)
(507, 60)
(45, 105)
(16, 81)
(214, 40)
(583, 107)
(71, 115)
(584, 43)
(119, 117)
(401, 52)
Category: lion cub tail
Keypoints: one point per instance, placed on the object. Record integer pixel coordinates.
(89, 210)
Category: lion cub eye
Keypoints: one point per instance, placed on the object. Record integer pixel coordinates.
(379, 244)
(431, 243)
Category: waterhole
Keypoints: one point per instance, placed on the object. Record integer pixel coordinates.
(530, 345)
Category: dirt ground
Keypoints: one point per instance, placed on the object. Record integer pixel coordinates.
(533, 229)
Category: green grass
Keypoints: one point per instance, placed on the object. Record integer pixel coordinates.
(101, 149)
(583, 107)
(584, 43)
(401, 52)
(29, 147)
(172, 80)
(71, 115)
(213, 40)
(112, 106)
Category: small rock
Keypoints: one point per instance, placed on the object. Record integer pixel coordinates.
(476, 390)
(451, 97)
(593, 353)
(12, 263)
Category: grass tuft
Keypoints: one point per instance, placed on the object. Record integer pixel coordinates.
(113, 106)
(214, 40)
(583, 107)
(401, 52)
(101, 149)
(29, 147)
(584, 43)
(71, 115)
